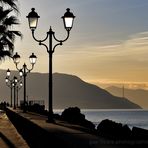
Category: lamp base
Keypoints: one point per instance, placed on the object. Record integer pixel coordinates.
(50, 120)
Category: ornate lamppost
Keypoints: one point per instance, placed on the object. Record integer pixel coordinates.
(68, 20)
(24, 71)
(7, 80)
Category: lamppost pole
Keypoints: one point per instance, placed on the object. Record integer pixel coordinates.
(68, 19)
(13, 83)
(24, 76)
(10, 86)
(23, 72)
(16, 96)
(50, 81)
(17, 90)
(14, 107)
(11, 94)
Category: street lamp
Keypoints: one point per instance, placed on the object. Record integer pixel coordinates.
(11, 87)
(14, 85)
(18, 87)
(6, 80)
(24, 71)
(68, 19)
(8, 73)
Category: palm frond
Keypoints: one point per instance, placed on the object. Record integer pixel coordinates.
(11, 3)
(6, 41)
(4, 52)
(4, 13)
(12, 20)
(18, 33)
(11, 35)
(2, 29)
(7, 36)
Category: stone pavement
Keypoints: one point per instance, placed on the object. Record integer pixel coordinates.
(65, 133)
(9, 137)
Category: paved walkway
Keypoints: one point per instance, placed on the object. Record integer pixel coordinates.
(60, 134)
(64, 131)
(9, 137)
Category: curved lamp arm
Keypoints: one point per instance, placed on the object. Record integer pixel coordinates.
(56, 46)
(9, 85)
(40, 43)
(37, 39)
(18, 80)
(28, 70)
(68, 33)
(16, 65)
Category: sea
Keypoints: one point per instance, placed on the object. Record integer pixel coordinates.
(137, 118)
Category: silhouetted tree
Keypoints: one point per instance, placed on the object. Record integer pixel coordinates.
(7, 20)
(11, 3)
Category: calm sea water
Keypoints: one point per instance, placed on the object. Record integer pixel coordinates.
(138, 118)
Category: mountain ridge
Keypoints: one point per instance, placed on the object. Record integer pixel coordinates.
(138, 96)
(68, 90)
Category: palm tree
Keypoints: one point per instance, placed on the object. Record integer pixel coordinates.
(7, 35)
(11, 3)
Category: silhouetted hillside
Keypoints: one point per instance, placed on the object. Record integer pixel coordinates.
(138, 96)
(69, 90)
(76, 92)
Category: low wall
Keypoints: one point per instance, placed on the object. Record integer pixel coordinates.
(34, 135)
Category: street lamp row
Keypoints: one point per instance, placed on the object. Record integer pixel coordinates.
(13, 83)
(33, 17)
(24, 71)
(10, 85)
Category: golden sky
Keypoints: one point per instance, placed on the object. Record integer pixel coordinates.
(108, 43)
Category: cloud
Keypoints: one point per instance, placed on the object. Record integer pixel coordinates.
(135, 44)
(136, 47)
(137, 41)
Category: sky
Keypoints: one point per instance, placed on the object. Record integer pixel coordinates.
(108, 44)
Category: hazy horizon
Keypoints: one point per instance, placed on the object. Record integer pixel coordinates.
(104, 85)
